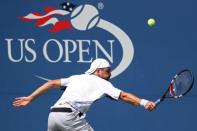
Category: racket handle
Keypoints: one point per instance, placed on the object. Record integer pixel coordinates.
(157, 101)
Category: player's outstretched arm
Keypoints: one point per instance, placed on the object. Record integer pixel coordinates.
(23, 101)
(134, 100)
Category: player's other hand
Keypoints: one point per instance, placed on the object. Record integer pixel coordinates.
(150, 106)
(21, 101)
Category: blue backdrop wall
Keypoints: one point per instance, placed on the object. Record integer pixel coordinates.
(159, 52)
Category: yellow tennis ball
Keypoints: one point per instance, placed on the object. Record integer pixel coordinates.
(151, 22)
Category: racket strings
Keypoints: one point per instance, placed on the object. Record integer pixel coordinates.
(181, 84)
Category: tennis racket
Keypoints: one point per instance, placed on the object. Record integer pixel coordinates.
(179, 86)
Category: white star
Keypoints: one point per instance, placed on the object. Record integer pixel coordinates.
(64, 7)
(70, 9)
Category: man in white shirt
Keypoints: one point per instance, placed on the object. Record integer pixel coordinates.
(68, 113)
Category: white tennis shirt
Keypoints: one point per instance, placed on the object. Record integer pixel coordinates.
(82, 90)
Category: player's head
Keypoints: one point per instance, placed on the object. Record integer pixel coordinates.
(101, 68)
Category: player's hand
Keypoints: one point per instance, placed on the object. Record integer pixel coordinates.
(150, 106)
(21, 101)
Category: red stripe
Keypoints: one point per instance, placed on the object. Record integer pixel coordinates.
(61, 25)
(37, 13)
(24, 19)
(171, 90)
(49, 9)
(41, 21)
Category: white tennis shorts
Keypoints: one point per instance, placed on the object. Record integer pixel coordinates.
(67, 121)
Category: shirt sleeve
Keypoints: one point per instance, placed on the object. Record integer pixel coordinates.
(65, 81)
(111, 91)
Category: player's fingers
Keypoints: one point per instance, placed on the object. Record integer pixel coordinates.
(17, 105)
(147, 105)
(150, 106)
(18, 101)
(18, 98)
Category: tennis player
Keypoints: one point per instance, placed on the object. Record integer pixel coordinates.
(68, 113)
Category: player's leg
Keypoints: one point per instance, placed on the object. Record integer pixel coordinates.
(68, 121)
(72, 121)
(82, 125)
(52, 123)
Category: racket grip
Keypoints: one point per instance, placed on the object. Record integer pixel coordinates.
(157, 101)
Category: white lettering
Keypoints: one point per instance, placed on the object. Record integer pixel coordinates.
(99, 46)
(30, 50)
(53, 41)
(9, 46)
(82, 51)
(22, 43)
(67, 44)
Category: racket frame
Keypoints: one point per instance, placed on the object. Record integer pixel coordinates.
(170, 88)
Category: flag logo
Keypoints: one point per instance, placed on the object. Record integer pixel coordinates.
(51, 16)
